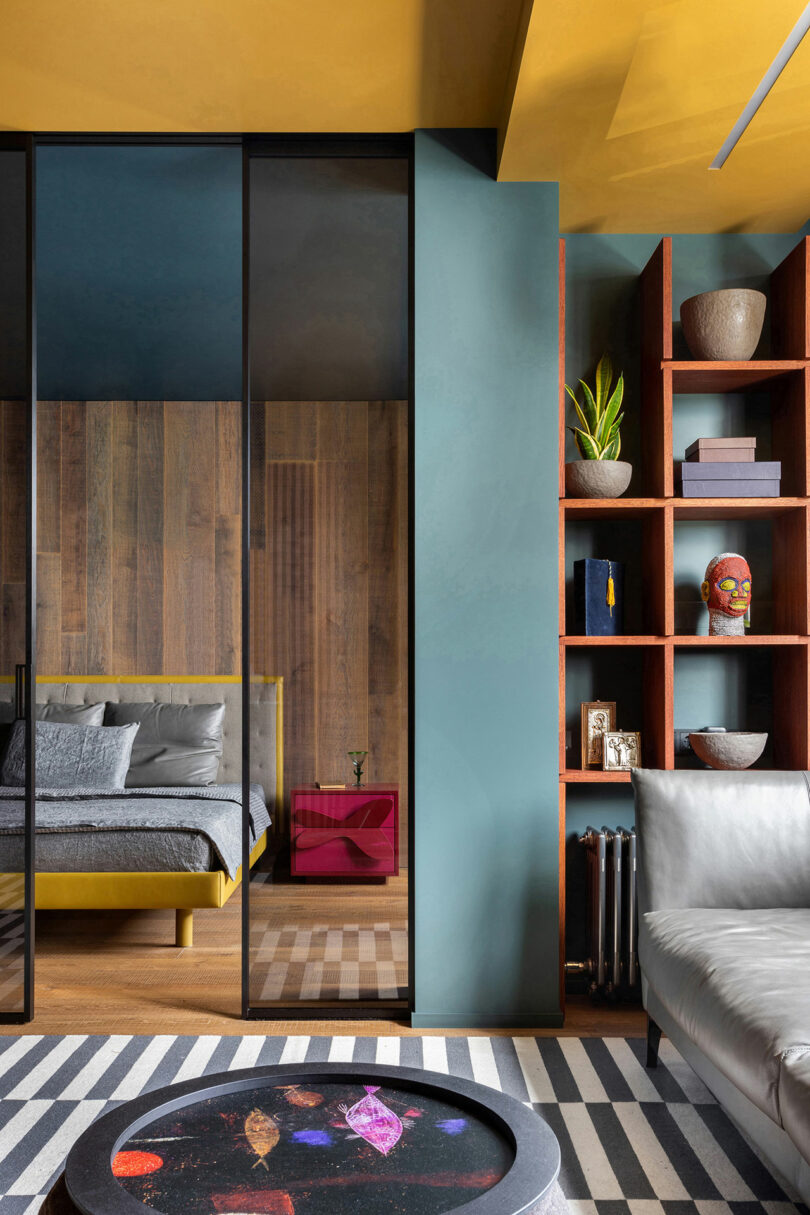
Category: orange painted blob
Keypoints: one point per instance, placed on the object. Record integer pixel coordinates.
(135, 1164)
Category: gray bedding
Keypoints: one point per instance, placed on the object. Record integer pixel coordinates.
(133, 830)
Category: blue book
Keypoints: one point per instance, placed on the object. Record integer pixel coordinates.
(598, 597)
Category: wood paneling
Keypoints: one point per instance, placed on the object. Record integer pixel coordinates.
(139, 562)
(12, 535)
(190, 538)
(333, 589)
(138, 553)
(150, 542)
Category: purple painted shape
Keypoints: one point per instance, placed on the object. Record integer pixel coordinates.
(452, 1126)
(313, 1138)
(373, 1121)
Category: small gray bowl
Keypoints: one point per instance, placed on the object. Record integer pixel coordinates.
(597, 478)
(723, 324)
(732, 750)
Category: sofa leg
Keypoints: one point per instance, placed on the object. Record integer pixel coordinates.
(653, 1040)
(183, 927)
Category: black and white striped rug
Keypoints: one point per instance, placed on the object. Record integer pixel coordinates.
(633, 1142)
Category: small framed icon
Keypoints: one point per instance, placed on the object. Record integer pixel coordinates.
(621, 750)
(598, 716)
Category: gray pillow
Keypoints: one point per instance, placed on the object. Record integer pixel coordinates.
(71, 757)
(176, 744)
(72, 715)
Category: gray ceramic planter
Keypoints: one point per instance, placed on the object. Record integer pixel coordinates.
(732, 750)
(723, 324)
(597, 478)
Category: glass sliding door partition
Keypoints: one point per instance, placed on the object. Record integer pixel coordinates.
(17, 630)
(139, 503)
(327, 386)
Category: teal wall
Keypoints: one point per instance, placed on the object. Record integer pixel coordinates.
(729, 689)
(485, 552)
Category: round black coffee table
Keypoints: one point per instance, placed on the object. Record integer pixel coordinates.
(316, 1139)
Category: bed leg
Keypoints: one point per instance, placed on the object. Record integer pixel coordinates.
(183, 927)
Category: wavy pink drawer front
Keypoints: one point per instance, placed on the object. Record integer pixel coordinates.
(344, 833)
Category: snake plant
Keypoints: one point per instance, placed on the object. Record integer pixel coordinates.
(597, 436)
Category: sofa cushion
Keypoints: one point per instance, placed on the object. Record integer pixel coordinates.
(794, 1098)
(738, 983)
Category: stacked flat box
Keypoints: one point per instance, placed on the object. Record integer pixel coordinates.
(723, 455)
(727, 479)
(722, 451)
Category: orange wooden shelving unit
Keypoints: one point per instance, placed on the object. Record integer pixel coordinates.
(786, 375)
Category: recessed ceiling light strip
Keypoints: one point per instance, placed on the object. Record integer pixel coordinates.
(763, 88)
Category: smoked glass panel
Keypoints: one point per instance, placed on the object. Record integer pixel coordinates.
(329, 577)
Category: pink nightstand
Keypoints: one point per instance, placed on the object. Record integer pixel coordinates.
(344, 832)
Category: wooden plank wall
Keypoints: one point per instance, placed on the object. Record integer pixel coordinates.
(138, 530)
(138, 559)
(330, 579)
(12, 535)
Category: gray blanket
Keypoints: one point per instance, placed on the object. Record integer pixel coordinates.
(206, 810)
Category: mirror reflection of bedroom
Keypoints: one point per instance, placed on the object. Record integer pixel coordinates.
(141, 573)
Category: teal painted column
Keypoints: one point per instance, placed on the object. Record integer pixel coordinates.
(485, 579)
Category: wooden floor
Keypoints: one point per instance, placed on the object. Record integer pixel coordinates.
(327, 940)
(119, 972)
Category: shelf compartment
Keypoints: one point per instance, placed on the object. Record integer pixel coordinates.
(751, 687)
(638, 540)
(696, 376)
(639, 679)
(774, 412)
(776, 550)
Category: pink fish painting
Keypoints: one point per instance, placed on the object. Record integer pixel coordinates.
(373, 1121)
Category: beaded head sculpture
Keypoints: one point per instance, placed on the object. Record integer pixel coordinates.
(727, 591)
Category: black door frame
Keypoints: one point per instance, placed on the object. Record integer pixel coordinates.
(14, 142)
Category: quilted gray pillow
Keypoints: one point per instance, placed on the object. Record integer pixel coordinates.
(78, 757)
(176, 744)
(72, 715)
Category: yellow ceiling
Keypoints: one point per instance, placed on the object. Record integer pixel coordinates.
(624, 102)
(253, 65)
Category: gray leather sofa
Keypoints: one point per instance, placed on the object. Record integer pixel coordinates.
(724, 944)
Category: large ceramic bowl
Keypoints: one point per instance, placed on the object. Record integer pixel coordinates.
(723, 324)
(734, 749)
(597, 478)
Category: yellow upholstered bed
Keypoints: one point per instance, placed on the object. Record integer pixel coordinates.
(183, 891)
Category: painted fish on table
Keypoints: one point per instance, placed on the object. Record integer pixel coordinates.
(262, 1133)
(301, 1097)
(373, 1121)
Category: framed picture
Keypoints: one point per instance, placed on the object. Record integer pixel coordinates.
(621, 750)
(598, 716)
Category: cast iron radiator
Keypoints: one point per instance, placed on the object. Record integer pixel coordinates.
(612, 911)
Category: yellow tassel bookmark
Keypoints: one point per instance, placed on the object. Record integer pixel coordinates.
(611, 591)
